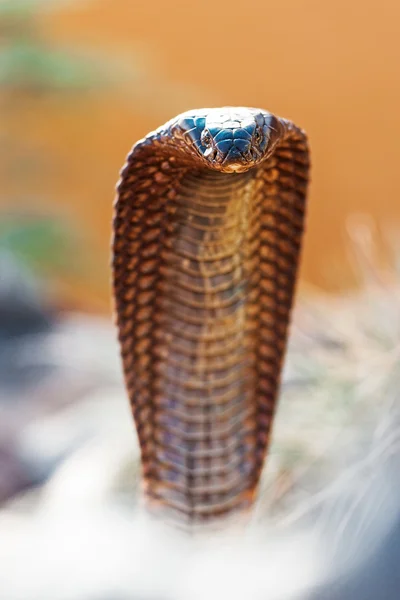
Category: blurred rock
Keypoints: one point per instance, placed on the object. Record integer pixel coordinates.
(22, 310)
(48, 363)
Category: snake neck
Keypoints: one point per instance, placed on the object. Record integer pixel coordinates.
(206, 376)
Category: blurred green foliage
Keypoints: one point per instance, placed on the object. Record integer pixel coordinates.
(27, 62)
(46, 245)
(43, 244)
(26, 65)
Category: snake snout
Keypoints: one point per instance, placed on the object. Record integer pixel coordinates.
(239, 158)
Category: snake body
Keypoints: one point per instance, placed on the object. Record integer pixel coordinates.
(207, 236)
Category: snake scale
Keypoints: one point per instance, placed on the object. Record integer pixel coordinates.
(208, 225)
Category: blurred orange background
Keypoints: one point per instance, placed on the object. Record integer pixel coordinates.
(126, 67)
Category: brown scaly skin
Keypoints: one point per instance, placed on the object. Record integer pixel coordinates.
(207, 235)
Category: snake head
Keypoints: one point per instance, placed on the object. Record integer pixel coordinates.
(231, 140)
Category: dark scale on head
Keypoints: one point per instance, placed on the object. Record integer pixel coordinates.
(230, 139)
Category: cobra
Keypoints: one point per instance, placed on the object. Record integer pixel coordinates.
(208, 225)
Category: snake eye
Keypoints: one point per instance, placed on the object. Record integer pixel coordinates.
(258, 135)
(205, 138)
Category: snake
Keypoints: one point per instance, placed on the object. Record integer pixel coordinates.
(207, 236)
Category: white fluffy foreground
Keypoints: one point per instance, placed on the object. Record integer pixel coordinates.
(82, 541)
